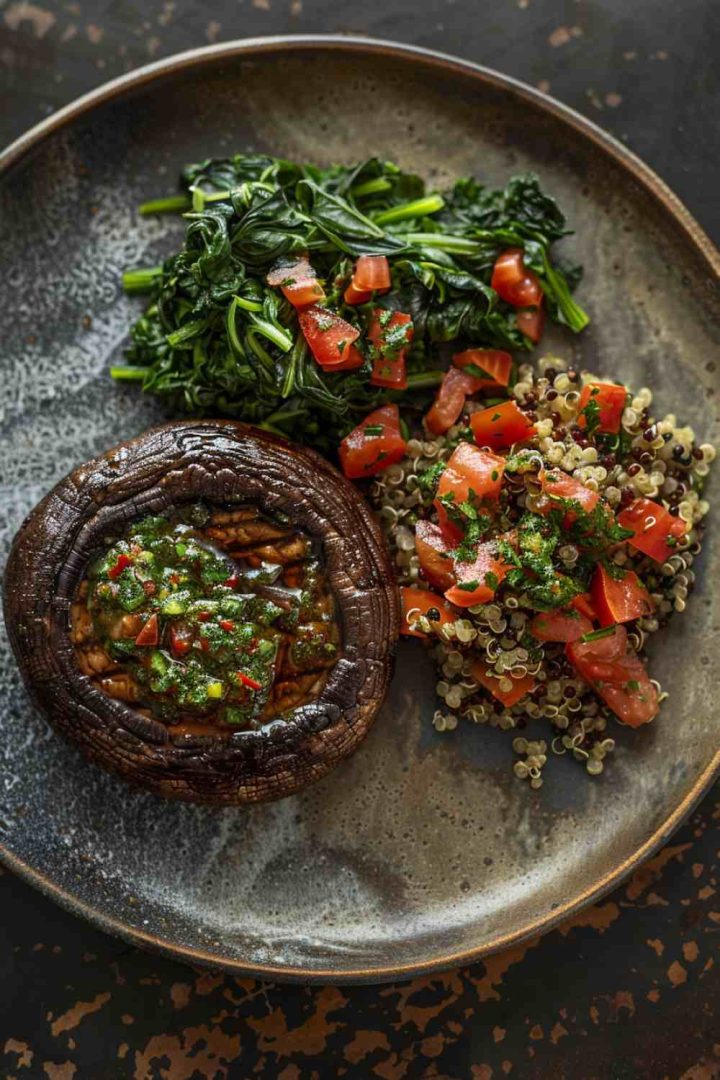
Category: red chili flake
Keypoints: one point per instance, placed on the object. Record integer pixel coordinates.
(232, 582)
(253, 684)
(227, 624)
(123, 561)
(203, 616)
(180, 645)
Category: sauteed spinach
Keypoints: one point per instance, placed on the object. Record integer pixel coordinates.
(216, 337)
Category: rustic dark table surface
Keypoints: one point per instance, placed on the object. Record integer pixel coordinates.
(629, 988)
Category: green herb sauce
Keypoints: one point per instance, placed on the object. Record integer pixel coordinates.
(223, 619)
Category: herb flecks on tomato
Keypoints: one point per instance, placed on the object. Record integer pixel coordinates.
(330, 338)
(471, 476)
(478, 578)
(655, 532)
(618, 596)
(491, 368)
(373, 445)
(501, 426)
(617, 674)
(298, 283)
(601, 407)
(390, 334)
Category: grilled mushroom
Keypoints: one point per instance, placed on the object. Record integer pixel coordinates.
(89, 698)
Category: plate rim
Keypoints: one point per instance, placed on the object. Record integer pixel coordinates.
(703, 246)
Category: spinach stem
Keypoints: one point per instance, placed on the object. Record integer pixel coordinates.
(246, 305)
(262, 355)
(422, 380)
(141, 280)
(371, 187)
(417, 208)
(577, 319)
(231, 329)
(279, 416)
(454, 245)
(123, 372)
(186, 333)
(296, 356)
(170, 205)
(273, 333)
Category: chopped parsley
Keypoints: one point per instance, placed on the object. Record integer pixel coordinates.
(591, 412)
(595, 635)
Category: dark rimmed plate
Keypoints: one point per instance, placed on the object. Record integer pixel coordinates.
(422, 851)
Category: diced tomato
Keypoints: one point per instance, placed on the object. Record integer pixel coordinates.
(655, 531)
(560, 485)
(501, 425)
(226, 624)
(298, 283)
(150, 633)
(472, 471)
(365, 452)
(355, 296)
(231, 583)
(583, 604)
(252, 684)
(618, 600)
(469, 472)
(431, 547)
(302, 294)
(478, 580)
(122, 563)
(390, 373)
(489, 367)
(416, 602)
(560, 625)
(372, 273)
(617, 675)
(355, 359)
(610, 400)
(328, 336)
(514, 282)
(450, 400)
(180, 641)
(518, 690)
(390, 334)
(531, 322)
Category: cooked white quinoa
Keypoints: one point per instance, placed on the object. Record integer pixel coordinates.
(662, 461)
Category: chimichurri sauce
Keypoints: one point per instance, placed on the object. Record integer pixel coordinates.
(208, 617)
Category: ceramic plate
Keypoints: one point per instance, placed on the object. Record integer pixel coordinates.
(422, 851)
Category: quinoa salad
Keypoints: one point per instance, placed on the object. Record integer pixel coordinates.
(539, 541)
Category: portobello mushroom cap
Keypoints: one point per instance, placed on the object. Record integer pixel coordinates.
(223, 463)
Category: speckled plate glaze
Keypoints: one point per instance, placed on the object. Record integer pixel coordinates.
(422, 851)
